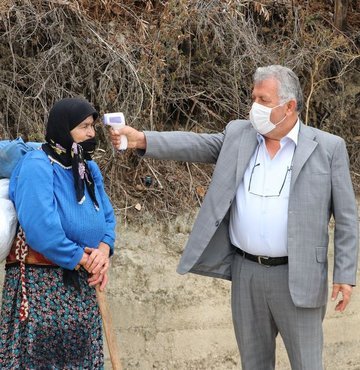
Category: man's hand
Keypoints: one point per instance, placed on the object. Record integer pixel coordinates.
(136, 139)
(345, 290)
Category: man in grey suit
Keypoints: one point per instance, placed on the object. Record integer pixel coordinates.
(264, 220)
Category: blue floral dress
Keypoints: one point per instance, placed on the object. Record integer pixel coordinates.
(63, 329)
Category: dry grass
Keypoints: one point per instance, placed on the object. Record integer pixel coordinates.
(172, 65)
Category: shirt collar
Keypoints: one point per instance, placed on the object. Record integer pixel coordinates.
(292, 135)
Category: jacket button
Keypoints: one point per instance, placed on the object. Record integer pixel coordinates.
(217, 223)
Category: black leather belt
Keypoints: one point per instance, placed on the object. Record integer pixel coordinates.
(263, 260)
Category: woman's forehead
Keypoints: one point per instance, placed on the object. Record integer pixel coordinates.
(87, 120)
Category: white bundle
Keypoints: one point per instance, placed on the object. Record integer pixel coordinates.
(8, 220)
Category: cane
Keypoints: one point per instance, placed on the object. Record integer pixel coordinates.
(108, 329)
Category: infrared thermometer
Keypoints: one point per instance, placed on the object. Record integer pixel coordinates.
(117, 121)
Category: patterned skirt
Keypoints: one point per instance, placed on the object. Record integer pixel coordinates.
(63, 330)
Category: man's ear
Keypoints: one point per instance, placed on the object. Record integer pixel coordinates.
(291, 106)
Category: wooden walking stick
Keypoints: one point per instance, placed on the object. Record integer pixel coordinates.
(108, 329)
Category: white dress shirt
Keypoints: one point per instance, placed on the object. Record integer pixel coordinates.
(259, 214)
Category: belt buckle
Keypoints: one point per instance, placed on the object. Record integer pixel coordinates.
(259, 260)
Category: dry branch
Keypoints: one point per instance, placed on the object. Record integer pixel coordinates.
(179, 64)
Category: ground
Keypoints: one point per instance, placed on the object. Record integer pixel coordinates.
(166, 321)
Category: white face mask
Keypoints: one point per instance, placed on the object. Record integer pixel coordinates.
(260, 118)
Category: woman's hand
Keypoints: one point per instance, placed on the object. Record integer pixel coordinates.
(83, 261)
(98, 259)
(98, 278)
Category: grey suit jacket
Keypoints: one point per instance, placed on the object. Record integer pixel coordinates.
(320, 188)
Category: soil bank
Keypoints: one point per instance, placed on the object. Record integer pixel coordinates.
(163, 320)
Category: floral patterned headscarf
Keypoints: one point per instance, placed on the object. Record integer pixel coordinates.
(60, 147)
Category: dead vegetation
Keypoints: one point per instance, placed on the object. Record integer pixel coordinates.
(172, 65)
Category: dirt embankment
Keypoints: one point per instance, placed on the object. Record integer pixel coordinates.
(166, 321)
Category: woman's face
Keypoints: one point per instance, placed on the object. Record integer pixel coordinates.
(84, 130)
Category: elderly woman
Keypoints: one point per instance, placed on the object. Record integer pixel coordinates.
(49, 316)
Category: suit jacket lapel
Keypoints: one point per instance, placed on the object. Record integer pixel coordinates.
(305, 146)
(247, 145)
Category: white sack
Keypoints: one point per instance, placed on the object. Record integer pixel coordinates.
(8, 220)
(4, 188)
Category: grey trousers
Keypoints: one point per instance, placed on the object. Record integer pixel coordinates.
(261, 308)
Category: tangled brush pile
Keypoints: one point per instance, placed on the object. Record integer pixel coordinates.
(174, 65)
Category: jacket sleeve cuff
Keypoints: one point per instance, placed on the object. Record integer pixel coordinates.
(75, 259)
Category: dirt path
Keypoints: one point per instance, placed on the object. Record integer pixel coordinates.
(167, 321)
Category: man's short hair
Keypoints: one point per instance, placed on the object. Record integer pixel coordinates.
(288, 83)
